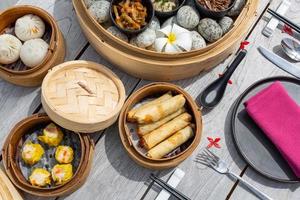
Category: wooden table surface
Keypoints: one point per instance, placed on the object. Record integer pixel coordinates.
(114, 175)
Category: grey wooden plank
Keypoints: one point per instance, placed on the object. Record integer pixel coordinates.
(274, 189)
(7, 3)
(19, 102)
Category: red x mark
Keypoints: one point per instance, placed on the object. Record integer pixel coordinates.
(244, 44)
(213, 142)
(287, 29)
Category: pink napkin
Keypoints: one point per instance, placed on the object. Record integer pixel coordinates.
(278, 115)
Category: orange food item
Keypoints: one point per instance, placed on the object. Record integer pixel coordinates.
(130, 14)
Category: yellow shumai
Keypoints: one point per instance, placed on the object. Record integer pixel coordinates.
(52, 135)
(32, 153)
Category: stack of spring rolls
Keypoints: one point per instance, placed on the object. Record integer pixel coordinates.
(162, 124)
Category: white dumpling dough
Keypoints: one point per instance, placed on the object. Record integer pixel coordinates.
(29, 27)
(10, 47)
(33, 52)
(100, 11)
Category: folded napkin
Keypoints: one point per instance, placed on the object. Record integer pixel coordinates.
(278, 115)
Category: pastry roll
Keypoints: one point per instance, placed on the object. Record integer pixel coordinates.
(158, 135)
(143, 129)
(160, 110)
(158, 100)
(171, 143)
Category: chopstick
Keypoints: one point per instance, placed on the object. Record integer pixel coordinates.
(168, 188)
(284, 20)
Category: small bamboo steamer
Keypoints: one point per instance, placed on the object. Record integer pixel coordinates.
(161, 66)
(149, 90)
(82, 96)
(55, 55)
(10, 150)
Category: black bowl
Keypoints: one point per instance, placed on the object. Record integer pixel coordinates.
(150, 15)
(213, 14)
(164, 15)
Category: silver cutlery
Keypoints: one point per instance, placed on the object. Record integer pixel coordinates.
(210, 159)
(280, 62)
(291, 48)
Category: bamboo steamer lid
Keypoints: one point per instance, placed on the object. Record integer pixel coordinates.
(82, 96)
(7, 190)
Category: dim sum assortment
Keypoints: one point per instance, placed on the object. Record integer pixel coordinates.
(162, 125)
(24, 42)
(48, 157)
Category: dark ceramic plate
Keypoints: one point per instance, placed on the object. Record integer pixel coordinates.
(254, 146)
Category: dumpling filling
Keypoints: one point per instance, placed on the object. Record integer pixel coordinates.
(62, 173)
(52, 135)
(32, 153)
(40, 177)
(64, 154)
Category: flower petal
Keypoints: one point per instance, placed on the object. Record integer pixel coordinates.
(171, 48)
(160, 43)
(178, 30)
(184, 40)
(166, 30)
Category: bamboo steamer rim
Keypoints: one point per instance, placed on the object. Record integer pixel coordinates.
(7, 190)
(161, 87)
(103, 85)
(9, 156)
(134, 49)
(236, 32)
(18, 11)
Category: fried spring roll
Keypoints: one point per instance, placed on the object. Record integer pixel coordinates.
(143, 129)
(158, 100)
(160, 110)
(171, 143)
(158, 135)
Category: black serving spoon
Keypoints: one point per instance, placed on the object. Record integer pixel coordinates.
(213, 93)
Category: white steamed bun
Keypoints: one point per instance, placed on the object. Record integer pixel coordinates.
(10, 47)
(29, 27)
(33, 52)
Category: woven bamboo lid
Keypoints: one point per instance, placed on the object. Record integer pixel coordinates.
(82, 96)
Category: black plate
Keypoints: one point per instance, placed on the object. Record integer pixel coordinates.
(254, 146)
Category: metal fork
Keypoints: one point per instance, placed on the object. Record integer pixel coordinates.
(208, 158)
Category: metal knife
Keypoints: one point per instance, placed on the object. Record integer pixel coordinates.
(280, 62)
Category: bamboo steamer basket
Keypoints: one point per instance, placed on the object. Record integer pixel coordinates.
(82, 96)
(17, 73)
(146, 91)
(162, 66)
(7, 190)
(11, 165)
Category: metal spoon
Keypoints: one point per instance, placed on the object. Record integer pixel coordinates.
(213, 94)
(291, 48)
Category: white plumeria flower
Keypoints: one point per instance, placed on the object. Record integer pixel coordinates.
(173, 39)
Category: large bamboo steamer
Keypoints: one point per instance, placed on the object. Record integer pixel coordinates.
(161, 66)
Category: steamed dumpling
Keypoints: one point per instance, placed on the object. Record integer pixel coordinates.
(62, 173)
(33, 52)
(10, 48)
(29, 27)
(32, 153)
(64, 154)
(52, 135)
(100, 11)
(40, 177)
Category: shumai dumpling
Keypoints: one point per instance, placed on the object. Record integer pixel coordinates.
(32, 153)
(40, 177)
(52, 135)
(62, 173)
(64, 154)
